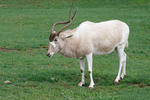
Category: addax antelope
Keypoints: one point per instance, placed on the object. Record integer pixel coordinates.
(90, 38)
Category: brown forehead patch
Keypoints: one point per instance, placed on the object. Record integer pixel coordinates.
(51, 37)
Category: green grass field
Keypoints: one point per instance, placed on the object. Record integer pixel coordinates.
(24, 31)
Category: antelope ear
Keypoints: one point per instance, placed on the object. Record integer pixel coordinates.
(66, 36)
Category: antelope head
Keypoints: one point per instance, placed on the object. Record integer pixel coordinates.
(57, 41)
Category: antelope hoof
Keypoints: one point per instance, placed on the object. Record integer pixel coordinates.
(81, 84)
(116, 83)
(122, 76)
(91, 87)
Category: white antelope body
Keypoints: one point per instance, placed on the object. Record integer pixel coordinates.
(91, 38)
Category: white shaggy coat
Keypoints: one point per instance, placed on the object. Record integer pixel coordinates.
(94, 38)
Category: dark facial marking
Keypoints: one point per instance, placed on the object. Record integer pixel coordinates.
(52, 36)
(55, 40)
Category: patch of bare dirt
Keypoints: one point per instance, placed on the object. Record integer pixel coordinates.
(7, 50)
(3, 5)
(43, 47)
(140, 85)
(28, 50)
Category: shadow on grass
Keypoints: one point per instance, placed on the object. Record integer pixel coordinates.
(73, 77)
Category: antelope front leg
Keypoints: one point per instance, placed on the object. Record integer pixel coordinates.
(89, 60)
(82, 72)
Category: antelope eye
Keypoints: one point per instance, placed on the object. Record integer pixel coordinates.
(55, 39)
